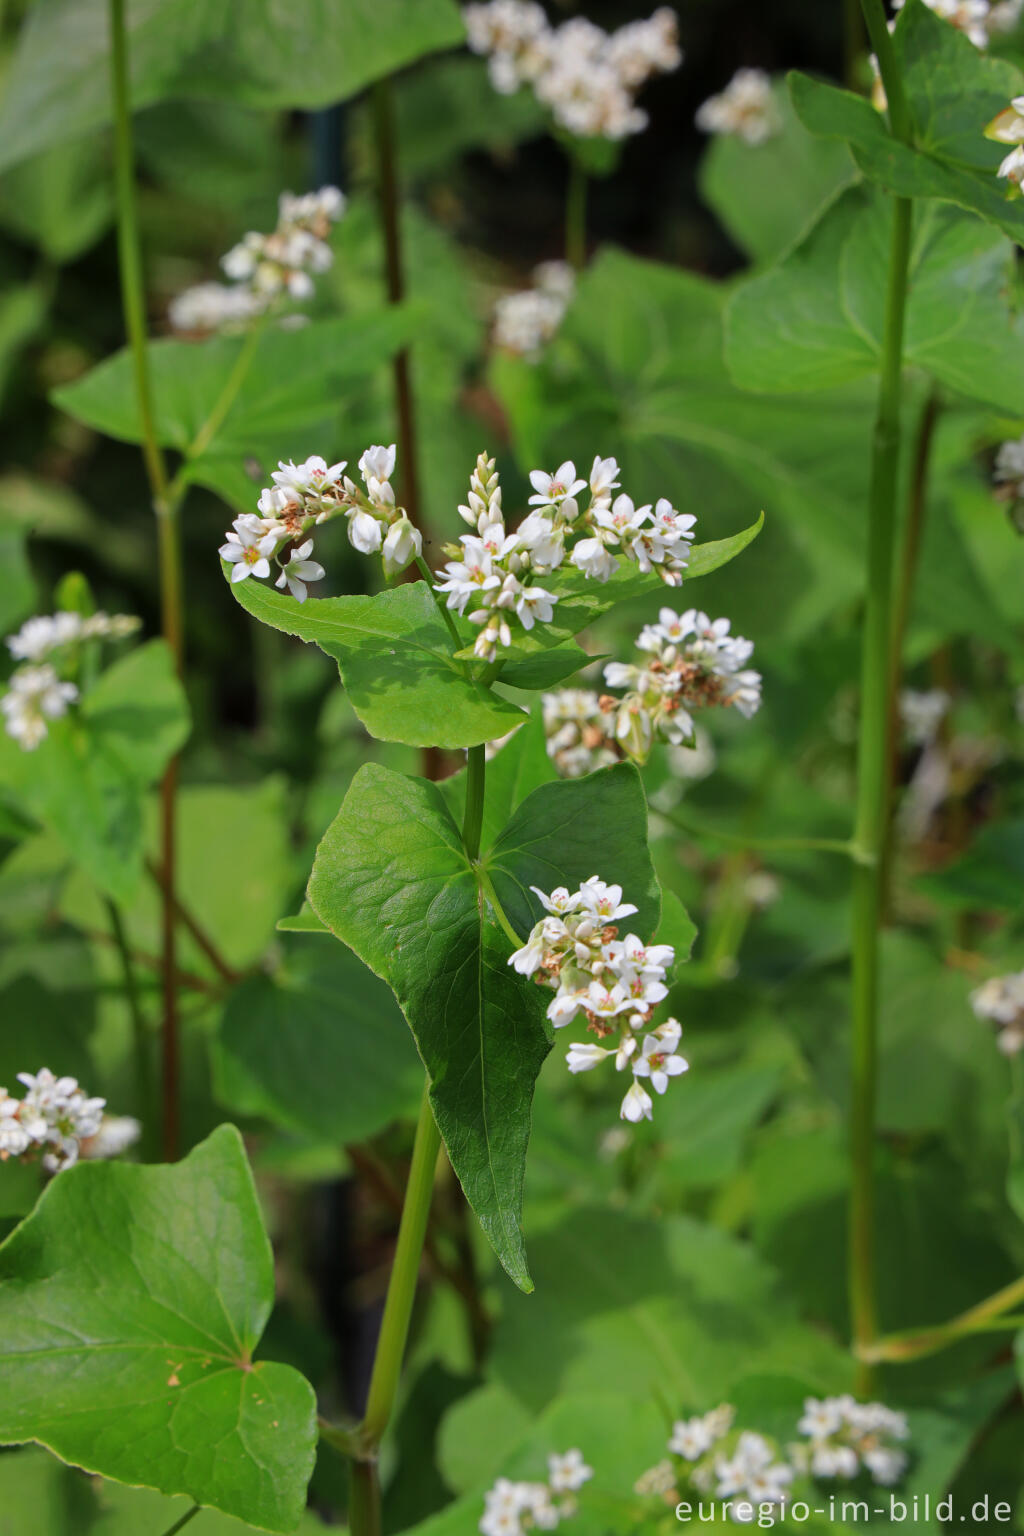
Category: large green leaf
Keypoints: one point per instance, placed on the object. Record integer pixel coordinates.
(61, 200)
(954, 91)
(816, 320)
(392, 880)
(87, 780)
(395, 657)
(287, 402)
(319, 1048)
(310, 54)
(767, 194)
(131, 1302)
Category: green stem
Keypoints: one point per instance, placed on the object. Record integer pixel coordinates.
(873, 757)
(983, 1318)
(472, 821)
(900, 124)
(168, 541)
(140, 1038)
(179, 1525)
(765, 844)
(445, 612)
(394, 1328)
(576, 214)
(853, 41)
(487, 886)
(219, 411)
(364, 1511)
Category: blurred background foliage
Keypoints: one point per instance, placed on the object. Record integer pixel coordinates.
(677, 1262)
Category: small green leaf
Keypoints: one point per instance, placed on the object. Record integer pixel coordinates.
(545, 668)
(86, 780)
(392, 880)
(304, 921)
(319, 1048)
(954, 90)
(309, 55)
(395, 657)
(131, 1302)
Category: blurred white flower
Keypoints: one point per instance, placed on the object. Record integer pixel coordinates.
(35, 695)
(745, 110)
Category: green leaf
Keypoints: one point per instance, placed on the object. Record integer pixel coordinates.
(816, 320)
(954, 90)
(394, 653)
(131, 1302)
(86, 781)
(316, 53)
(17, 586)
(768, 194)
(289, 393)
(545, 668)
(62, 200)
(392, 880)
(677, 927)
(304, 921)
(319, 1048)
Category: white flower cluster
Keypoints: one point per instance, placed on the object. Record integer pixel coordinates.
(843, 1436)
(745, 110)
(493, 569)
(524, 322)
(36, 693)
(1008, 128)
(615, 983)
(54, 1118)
(514, 1508)
(265, 268)
(1000, 1001)
(694, 663)
(308, 494)
(587, 77)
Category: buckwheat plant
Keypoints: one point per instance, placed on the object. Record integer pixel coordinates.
(57, 1122)
(51, 650)
(525, 322)
(744, 110)
(1000, 1001)
(513, 1508)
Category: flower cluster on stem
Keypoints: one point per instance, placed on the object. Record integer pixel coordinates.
(588, 78)
(690, 662)
(265, 269)
(57, 1120)
(512, 1508)
(616, 984)
(524, 322)
(49, 647)
(1000, 1001)
(494, 570)
(745, 109)
(840, 1439)
(301, 498)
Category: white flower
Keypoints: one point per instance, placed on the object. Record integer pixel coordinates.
(584, 1057)
(602, 478)
(592, 558)
(658, 1061)
(535, 603)
(569, 1472)
(971, 17)
(604, 901)
(1012, 168)
(1009, 466)
(402, 545)
(14, 1138)
(821, 1417)
(214, 307)
(470, 578)
(299, 570)
(35, 694)
(116, 1134)
(637, 1105)
(542, 541)
(524, 321)
(886, 1466)
(378, 464)
(248, 548)
(38, 636)
(921, 713)
(558, 490)
(364, 532)
(745, 109)
(310, 478)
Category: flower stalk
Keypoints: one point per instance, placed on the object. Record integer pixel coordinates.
(874, 749)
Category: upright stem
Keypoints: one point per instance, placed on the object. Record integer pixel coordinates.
(168, 538)
(853, 41)
(394, 1328)
(364, 1512)
(384, 132)
(576, 214)
(140, 1042)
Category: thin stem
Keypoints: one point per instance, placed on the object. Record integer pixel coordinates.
(394, 1328)
(576, 214)
(344, 1439)
(900, 125)
(767, 844)
(384, 134)
(472, 821)
(168, 538)
(179, 1525)
(219, 411)
(428, 577)
(872, 818)
(140, 1039)
(487, 886)
(853, 40)
(199, 934)
(983, 1318)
